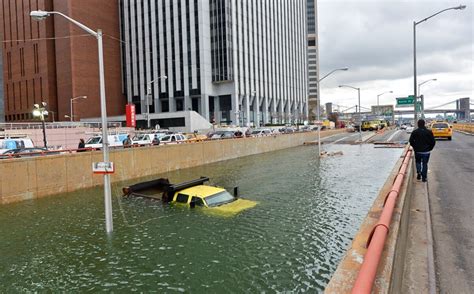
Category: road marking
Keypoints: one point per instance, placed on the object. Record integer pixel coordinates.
(343, 138)
(324, 138)
(393, 135)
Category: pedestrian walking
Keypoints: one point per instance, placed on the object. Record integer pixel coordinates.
(82, 145)
(156, 140)
(127, 143)
(422, 141)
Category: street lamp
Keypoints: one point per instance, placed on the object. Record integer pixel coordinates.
(53, 112)
(415, 23)
(318, 104)
(360, 117)
(41, 15)
(148, 96)
(423, 98)
(40, 111)
(378, 96)
(72, 102)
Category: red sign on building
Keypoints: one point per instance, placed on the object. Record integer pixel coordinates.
(130, 114)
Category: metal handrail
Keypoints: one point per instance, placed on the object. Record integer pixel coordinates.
(376, 241)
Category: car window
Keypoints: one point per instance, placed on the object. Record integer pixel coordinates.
(173, 138)
(182, 198)
(197, 201)
(219, 199)
(440, 126)
(165, 138)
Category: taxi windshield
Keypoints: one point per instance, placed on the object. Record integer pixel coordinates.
(219, 199)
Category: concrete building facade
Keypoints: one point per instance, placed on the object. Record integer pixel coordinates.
(54, 61)
(313, 57)
(235, 62)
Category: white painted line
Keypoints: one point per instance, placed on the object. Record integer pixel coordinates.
(393, 135)
(344, 138)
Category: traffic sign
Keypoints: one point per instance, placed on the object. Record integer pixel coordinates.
(406, 101)
(103, 167)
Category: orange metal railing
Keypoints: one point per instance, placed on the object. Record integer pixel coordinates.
(375, 243)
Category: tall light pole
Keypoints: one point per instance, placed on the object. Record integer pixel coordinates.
(148, 96)
(378, 96)
(41, 15)
(415, 23)
(423, 98)
(40, 111)
(72, 102)
(318, 105)
(360, 117)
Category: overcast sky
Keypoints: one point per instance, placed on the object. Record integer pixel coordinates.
(375, 40)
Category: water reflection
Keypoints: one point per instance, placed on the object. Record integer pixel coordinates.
(292, 241)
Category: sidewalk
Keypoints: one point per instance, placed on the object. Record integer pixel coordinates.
(419, 275)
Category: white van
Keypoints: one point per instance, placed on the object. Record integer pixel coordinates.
(114, 141)
(15, 143)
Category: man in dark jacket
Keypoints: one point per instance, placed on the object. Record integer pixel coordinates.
(422, 141)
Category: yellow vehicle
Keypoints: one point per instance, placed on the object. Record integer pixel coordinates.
(370, 125)
(192, 137)
(442, 130)
(193, 194)
(383, 124)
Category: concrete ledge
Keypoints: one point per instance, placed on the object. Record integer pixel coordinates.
(35, 177)
(390, 270)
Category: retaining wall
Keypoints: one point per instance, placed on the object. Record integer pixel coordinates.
(464, 127)
(34, 177)
(390, 269)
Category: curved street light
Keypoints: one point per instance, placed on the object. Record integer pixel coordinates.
(318, 105)
(360, 117)
(423, 98)
(72, 102)
(378, 96)
(42, 15)
(415, 23)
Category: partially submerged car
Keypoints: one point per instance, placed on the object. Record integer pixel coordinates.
(192, 194)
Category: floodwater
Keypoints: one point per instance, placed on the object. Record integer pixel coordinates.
(292, 241)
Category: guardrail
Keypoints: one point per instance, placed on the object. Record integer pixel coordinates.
(376, 241)
(464, 127)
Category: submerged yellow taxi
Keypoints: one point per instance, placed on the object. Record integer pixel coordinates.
(214, 198)
(442, 130)
(193, 193)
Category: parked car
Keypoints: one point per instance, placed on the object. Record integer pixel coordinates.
(173, 138)
(350, 128)
(222, 135)
(26, 152)
(260, 132)
(7, 143)
(409, 129)
(146, 138)
(286, 130)
(95, 142)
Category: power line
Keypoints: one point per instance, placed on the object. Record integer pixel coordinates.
(46, 39)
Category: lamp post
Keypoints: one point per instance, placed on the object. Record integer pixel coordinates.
(318, 105)
(53, 112)
(378, 96)
(360, 117)
(41, 15)
(148, 96)
(415, 23)
(71, 116)
(40, 111)
(423, 98)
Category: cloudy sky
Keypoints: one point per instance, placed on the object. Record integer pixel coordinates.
(375, 40)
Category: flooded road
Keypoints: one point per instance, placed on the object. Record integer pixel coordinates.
(308, 210)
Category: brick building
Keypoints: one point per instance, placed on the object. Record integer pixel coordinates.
(54, 61)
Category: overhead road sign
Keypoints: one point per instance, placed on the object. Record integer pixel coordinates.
(406, 101)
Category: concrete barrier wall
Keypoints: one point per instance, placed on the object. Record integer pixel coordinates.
(30, 178)
(464, 127)
(390, 269)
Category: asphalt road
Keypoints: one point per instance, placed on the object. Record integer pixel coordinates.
(389, 136)
(451, 194)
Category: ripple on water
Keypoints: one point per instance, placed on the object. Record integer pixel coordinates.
(290, 242)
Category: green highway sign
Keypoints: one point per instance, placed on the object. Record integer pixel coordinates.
(406, 101)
